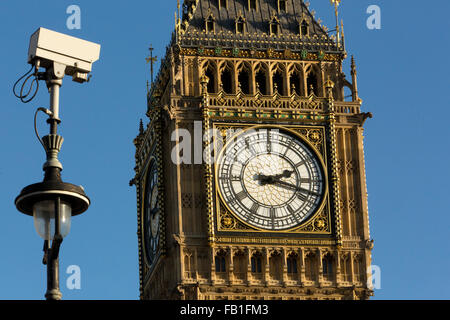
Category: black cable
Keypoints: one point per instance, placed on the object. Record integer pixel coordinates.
(17, 82)
(47, 112)
(22, 96)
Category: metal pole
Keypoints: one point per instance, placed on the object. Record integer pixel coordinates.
(53, 292)
(55, 85)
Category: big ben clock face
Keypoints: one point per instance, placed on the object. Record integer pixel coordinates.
(270, 179)
(151, 213)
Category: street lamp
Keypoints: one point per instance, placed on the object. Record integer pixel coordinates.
(52, 202)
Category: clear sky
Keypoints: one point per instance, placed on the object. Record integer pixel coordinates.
(403, 78)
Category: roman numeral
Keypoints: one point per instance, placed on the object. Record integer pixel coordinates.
(241, 195)
(272, 213)
(291, 211)
(269, 143)
(302, 197)
(250, 147)
(255, 207)
(303, 162)
(309, 192)
(288, 148)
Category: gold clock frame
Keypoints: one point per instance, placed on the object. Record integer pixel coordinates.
(318, 223)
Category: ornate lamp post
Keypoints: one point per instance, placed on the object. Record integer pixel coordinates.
(53, 202)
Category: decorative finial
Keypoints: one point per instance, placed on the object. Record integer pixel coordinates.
(152, 60)
(141, 127)
(353, 65)
(336, 12)
(329, 85)
(204, 80)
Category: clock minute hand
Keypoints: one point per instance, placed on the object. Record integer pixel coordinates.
(297, 188)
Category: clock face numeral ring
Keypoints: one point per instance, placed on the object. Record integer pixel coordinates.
(270, 179)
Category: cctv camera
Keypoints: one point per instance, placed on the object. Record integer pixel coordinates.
(77, 55)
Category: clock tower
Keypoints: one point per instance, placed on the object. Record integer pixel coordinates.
(250, 173)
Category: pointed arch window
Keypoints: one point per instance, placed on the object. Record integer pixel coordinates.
(210, 23)
(304, 28)
(240, 265)
(275, 262)
(274, 26)
(261, 81)
(296, 83)
(212, 79)
(310, 267)
(240, 25)
(189, 265)
(346, 268)
(220, 262)
(327, 266)
(226, 79)
(252, 5)
(312, 84)
(256, 262)
(358, 268)
(244, 80)
(278, 82)
(292, 264)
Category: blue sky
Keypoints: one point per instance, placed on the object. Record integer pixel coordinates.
(403, 79)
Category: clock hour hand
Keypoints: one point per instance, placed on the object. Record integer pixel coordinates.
(265, 180)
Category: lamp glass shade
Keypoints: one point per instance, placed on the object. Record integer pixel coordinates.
(44, 219)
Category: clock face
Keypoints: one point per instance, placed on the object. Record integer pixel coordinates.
(151, 213)
(270, 179)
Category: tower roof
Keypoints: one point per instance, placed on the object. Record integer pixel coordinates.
(258, 16)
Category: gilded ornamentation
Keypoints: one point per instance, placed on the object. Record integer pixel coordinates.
(228, 222)
(321, 55)
(267, 54)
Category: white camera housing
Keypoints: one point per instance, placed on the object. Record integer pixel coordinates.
(77, 55)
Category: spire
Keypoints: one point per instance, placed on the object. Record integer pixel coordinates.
(343, 36)
(141, 127)
(353, 66)
(336, 12)
(355, 96)
(152, 60)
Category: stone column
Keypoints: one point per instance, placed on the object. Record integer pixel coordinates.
(302, 268)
